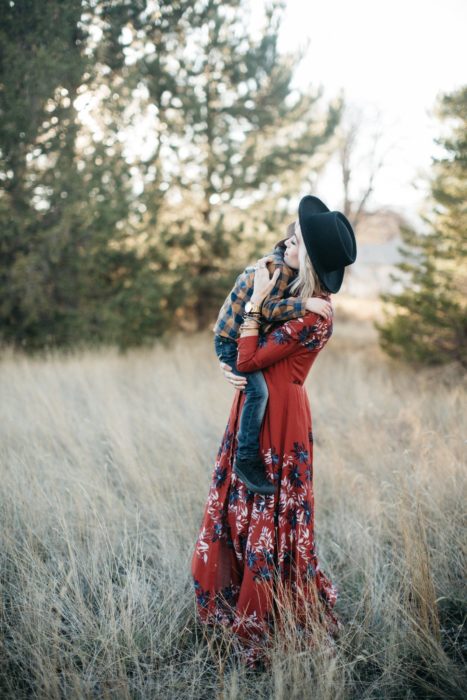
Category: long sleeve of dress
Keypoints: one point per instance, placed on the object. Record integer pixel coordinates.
(309, 332)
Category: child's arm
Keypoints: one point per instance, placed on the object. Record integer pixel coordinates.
(276, 308)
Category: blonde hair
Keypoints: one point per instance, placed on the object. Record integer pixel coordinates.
(306, 283)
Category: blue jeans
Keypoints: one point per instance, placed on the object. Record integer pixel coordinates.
(257, 395)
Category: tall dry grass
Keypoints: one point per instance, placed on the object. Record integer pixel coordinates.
(105, 468)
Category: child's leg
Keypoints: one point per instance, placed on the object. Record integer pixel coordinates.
(254, 406)
(252, 415)
(226, 351)
(249, 465)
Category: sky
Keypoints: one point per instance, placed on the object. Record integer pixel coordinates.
(391, 59)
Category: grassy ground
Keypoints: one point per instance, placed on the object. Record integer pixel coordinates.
(105, 468)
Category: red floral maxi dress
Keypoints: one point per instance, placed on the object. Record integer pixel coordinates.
(254, 548)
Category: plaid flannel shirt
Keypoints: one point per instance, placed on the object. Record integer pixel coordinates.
(276, 308)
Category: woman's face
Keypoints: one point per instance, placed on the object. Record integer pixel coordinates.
(292, 247)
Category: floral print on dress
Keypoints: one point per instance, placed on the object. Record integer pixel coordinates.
(248, 543)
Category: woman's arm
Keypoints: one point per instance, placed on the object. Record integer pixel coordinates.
(263, 285)
(309, 332)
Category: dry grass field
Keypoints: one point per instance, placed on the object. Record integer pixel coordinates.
(106, 461)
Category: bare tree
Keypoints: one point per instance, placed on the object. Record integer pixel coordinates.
(358, 127)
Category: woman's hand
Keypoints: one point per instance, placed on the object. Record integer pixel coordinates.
(238, 382)
(263, 284)
(319, 306)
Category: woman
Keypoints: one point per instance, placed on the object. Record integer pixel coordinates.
(255, 552)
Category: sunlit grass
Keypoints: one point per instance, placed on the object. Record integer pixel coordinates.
(106, 461)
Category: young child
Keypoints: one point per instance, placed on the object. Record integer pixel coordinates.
(248, 464)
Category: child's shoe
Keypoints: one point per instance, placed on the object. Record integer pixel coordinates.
(251, 471)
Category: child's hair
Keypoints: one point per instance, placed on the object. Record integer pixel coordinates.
(307, 282)
(290, 230)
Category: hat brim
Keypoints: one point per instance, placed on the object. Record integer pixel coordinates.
(331, 280)
(309, 204)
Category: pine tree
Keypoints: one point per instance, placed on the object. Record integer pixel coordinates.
(429, 325)
(229, 134)
(69, 269)
(37, 135)
(84, 257)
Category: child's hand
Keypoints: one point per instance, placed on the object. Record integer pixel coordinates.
(319, 306)
(266, 259)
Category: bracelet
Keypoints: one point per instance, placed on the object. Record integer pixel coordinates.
(251, 322)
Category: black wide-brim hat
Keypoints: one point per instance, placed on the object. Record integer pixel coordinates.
(329, 240)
